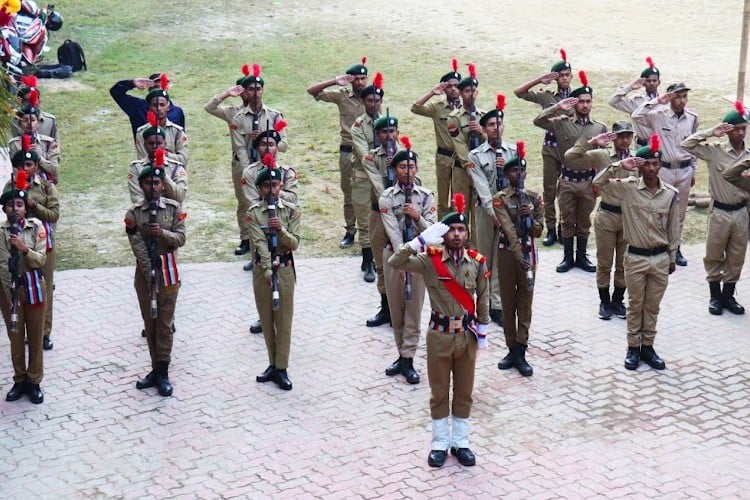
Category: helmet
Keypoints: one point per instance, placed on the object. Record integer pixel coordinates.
(54, 21)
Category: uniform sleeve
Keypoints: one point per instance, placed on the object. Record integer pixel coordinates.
(373, 173)
(481, 182)
(36, 257)
(422, 110)
(214, 108)
(333, 96)
(405, 260)
(175, 185)
(4, 256)
(673, 228)
(240, 142)
(483, 295)
(584, 154)
(50, 210)
(289, 188)
(283, 144)
(249, 191)
(174, 237)
(645, 113)
(289, 235)
(544, 119)
(390, 221)
(734, 174)
(507, 226)
(620, 101)
(607, 181)
(140, 145)
(180, 153)
(697, 145)
(533, 96)
(429, 212)
(134, 107)
(134, 187)
(538, 217)
(361, 146)
(49, 160)
(260, 243)
(138, 243)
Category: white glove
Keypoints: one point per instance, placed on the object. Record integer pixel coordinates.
(431, 236)
(482, 336)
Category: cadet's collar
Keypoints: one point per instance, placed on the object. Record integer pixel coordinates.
(564, 93)
(448, 254)
(160, 203)
(642, 184)
(452, 105)
(585, 120)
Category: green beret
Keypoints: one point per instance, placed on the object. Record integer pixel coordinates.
(24, 91)
(249, 80)
(149, 131)
(468, 81)
(356, 69)
(450, 76)
(372, 90)
(495, 113)
(454, 218)
(514, 162)
(734, 118)
(21, 156)
(267, 174)
(392, 121)
(582, 90)
(157, 93)
(27, 109)
(10, 194)
(266, 133)
(646, 153)
(151, 171)
(560, 66)
(403, 155)
(650, 71)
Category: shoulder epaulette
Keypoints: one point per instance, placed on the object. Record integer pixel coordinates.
(434, 250)
(170, 201)
(474, 254)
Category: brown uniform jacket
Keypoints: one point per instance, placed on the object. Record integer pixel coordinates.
(34, 235)
(49, 153)
(175, 142)
(288, 234)
(719, 158)
(458, 129)
(350, 107)
(587, 156)
(175, 180)
(392, 212)
(505, 204)
(567, 130)
(438, 111)
(241, 129)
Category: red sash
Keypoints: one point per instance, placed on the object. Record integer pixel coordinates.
(457, 291)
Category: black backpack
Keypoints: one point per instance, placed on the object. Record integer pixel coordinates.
(71, 54)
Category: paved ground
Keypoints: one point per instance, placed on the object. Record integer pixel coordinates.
(581, 427)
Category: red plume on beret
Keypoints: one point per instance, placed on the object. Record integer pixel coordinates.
(654, 143)
(521, 150)
(454, 64)
(279, 126)
(377, 82)
(269, 161)
(740, 108)
(29, 80)
(584, 78)
(500, 102)
(159, 157)
(22, 179)
(650, 62)
(472, 70)
(406, 141)
(246, 69)
(26, 142)
(364, 60)
(164, 82)
(151, 118)
(563, 55)
(256, 70)
(459, 202)
(34, 97)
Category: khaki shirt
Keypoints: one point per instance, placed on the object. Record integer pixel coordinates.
(737, 176)
(363, 137)
(175, 180)
(49, 153)
(46, 198)
(175, 142)
(544, 98)
(484, 173)
(438, 111)
(226, 113)
(288, 234)
(505, 205)
(622, 101)
(289, 181)
(470, 273)
(391, 204)
(567, 130)
(47, 126)
(35, 237)
(588, 156)
(649, 220)
(172, 221)
(241, 129)
(458, 129)
(672, 129)
(350, 107)
(375, 166)
(719, 158)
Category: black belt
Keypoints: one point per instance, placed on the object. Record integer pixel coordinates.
(610, 208)
(445, 152)
(448, 324)
(682, 164)
(577, 175)
(641, 142)
(729, 208)
(648, 252)
(345, 149)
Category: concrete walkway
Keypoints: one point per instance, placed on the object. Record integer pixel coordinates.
(581, 427)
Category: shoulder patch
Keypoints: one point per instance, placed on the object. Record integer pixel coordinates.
(453, 129)
(433, 209)
(471, 165)
(243, 181)
(383, 210)
(128, 221)
(497, 202)
(369, 157)
(488, 274)
(434, 250)
(183, 216)
(474, 254)
(130, 175)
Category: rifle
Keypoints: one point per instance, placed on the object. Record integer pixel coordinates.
(155, 259)
(408, 222)
(501, 182)
(13, 264)
(390, 150)
(377, 82)
(525, 224)
(473, 137)
(273, 246)
(256, 116)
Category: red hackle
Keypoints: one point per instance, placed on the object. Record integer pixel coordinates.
(246, 69)
(472, 70)
(34, 97)
(22, 179)
(151, 118)
(269, 161)
(26, 142)
(29, 80)
(377, 82)
(406, 141)
(279, 126)
(654, 143)
(159, 156)
(650, 62)
(364, 60)
(256, 70)
(521, 150)
(459, 202)
(500, 102)
(164, 82)
(584, 79)
(740, 107)
(454, 64)
(564, 55)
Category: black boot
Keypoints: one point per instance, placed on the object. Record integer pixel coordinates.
(523, 367)
(618, 304)
(633, 358)
(162, 379)
(267, 374)
(408, 371)
(679, 259)
(496, 315)
(395, 367)
(383, 315)
(509, 361)
(15, 393)
(567, 262)
(282, 380)
(605, 305)
(728, 299)
(248, 266)
(256, 327)
(243, 248)
(716, 302)
(651, 358)
(550, 239)
(582, 260)
(147, 381)
(368, 266)
(347, 240)
(47, 344)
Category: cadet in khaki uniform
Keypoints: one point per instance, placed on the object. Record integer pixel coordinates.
(282, 227)
(350, 106)
(668, 116)
(365, 139)
(727, 233)
(649, 80)
(46, 147)
(30, 243)
(175, 138)
(453, 276)
(251, 121)
(175, 175)
(516, 209)
(377, 166)
(575, 194)
(28, 94)
(438, 111)
(610, 240)
(43, 204)
(167, 234)
(467, 135)
(552, 159)
(486, 168)
(650, 218)
(405, 311)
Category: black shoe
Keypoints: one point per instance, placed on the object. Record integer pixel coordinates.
(174, 329)
(243, 248)
(550, 239)
(408, 371)
(464, 456)
(582, 260)
(619, 310)
(162, 379)
(15, 392)
(369, 272)
(35, 393)
(147, 381)
(267, 375)
(567, 263)
(347, 240)
(249, 266)
(282, 380)
(605, 311)
(496, 315)
(47, 344)
(256, 327)
(395, 368)
(651, 358)
(436, 458)
(715, 306)
(633, 358)
(523, 366)
(507, 362)
(143, 333)
(679, 259)
(383, 315)
(728, 300)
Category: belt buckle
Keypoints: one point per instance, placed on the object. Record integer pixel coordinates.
(455, 325)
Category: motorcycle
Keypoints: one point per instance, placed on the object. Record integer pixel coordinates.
(24, 35)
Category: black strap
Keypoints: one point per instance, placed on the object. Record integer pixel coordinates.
(648, 252)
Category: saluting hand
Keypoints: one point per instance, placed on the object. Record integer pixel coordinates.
(632, 163)
(549, 77)
(344, 79)
(637, 83)
(721, 129)
(665, 98)
(439, 88)
(143, 83)
(567, 104)
(602, 140)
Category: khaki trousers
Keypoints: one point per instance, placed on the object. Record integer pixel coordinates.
(361, 191)
(577, 201)
(443, 173)
(277, 325)
(726, 244)
(451, 354)
(406, 315)
(158, 331)
(242, 205)
(377, 240)
(30, 325)
(679, 178)
(49, 275)
(646, 279)
(487, 241)
(461, 182)
(550, 174)
(345, 173)
(517, 299)
(610, 247)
